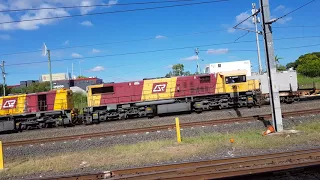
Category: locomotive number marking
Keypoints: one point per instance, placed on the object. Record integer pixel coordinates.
(9, 104)
(158, 88)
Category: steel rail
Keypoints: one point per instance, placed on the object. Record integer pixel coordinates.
(153, 128)
(212, 169)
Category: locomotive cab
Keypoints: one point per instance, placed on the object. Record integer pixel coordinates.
(240, 90)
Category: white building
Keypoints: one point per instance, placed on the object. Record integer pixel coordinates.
(229, 66)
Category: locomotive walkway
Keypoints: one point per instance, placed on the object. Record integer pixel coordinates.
(156, 128)
(214, 169)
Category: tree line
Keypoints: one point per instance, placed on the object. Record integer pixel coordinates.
(307, 65)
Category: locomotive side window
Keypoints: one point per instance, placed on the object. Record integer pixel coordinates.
(101, 90)
(235, 79)
(205, 79)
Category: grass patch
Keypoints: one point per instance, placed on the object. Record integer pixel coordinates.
(158, 151)
(307, 82)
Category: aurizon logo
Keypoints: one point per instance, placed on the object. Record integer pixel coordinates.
(9, 103)
(159, 87)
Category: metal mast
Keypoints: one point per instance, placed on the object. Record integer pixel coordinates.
(46, 51)
(4, 78)
(271, 66)
(256, 20)
(197, 54)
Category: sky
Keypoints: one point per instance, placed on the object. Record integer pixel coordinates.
(133, 45)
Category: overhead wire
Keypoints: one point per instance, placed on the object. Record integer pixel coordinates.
(93, 5)
(113, 12)
(146, 39)
(158, 50)
(300, 7)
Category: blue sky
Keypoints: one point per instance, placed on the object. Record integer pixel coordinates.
(160, 27)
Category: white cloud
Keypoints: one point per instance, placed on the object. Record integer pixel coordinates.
(86, 23)
(284, 20)
(239, 18)
(95, 51)
(48, 13)
(278, 11)
(112, 2)
(66, 43)
(5, 37)
(32, 25)
(231, 30)
(85, 10)
(160, 37)
(169, 66)
(191, 58)
(218, 51)
(3, 7)
(246, 24)
(97, 69)
(76, 55)
(279, 8)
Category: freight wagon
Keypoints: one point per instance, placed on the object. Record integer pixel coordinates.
(152, 97)
(36, 110)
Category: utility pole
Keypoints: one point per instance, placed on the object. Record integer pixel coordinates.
(4, 78)
(46, 51)
(49, 64)
(197, 54)
(271, 66)
(256, 20)
(80, 68)
(72, 71)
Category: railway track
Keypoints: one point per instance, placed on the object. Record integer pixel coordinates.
(155, 128)
(213, 169)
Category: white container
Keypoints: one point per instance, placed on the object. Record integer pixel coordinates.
(229, 66)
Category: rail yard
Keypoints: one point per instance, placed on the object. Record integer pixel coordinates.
(99, 100)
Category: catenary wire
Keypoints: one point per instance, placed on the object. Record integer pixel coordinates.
(145, 39)
(94, 5)
(159, 50)
(114, 12)
(115, 42)
(302, 6)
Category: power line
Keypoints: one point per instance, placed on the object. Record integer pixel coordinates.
(297, 26)
(146, 39)
(94, 5)
(302, 6)
(131, 53)
(115, 42)
(113, 12)
(159, 50)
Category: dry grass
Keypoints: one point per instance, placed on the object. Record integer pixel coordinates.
(158, 151)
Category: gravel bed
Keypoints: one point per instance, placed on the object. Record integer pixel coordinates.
(223, 152)
(12, 153)
(144, 122)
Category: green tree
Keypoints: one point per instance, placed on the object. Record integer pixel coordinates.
(1, 90)
(293, 65)
(296, 63)
(278, 65)
(281, 67)
(178, 70)
(33, 88)
(79, 100)
(309, 65)
(80, 77)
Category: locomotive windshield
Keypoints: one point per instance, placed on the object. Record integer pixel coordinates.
(235, 79)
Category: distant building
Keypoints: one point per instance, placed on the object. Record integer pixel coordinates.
(76, 85)
(55, 77)
(81, 83)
